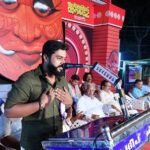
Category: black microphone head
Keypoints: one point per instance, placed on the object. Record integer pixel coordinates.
(66, 65)
(69, 65)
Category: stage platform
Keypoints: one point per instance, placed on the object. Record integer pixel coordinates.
(125, 134)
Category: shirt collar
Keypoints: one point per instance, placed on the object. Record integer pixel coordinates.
(39, 71)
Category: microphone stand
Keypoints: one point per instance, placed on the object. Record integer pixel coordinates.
(121, 102)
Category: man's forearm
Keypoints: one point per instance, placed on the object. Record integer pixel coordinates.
(22, 110)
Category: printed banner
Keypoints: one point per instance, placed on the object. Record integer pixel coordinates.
(106, 73)
(92, 14)
(135, 72)
(136, 140)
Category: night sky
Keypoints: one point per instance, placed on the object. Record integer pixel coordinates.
(135, 34)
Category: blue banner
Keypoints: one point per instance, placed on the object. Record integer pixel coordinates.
(135, 140)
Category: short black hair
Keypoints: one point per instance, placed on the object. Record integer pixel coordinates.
(137, 80)
(86, 74)
(51, 46)
(103, 83)
(75, 77)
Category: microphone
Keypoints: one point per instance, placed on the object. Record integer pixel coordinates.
(69, 65)
(121, 102)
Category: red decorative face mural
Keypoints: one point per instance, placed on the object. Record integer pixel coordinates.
(113, 61)
(24, 27)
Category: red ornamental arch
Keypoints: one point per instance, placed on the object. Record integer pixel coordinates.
(79, 48)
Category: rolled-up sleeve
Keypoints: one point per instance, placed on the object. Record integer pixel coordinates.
(20, 92)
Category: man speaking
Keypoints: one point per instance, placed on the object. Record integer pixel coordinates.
(36, 97)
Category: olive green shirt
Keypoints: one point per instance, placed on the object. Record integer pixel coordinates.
(42, 124)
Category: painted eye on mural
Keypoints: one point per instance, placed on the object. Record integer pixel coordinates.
(42, 9)
(9, 4)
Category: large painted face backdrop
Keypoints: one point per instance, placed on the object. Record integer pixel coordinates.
(24, 27)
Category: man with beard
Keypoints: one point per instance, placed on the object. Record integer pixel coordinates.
(36, 96)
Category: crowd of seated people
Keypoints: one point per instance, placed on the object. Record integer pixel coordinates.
(89, 105)
(94, 103)
(88, 108)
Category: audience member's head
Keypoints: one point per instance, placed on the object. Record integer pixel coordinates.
(87, 77)
(90, 89)
(74, 79)
(138, 83)
(105, 85)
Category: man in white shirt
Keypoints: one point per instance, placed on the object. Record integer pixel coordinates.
(89, 105)
(108, 98)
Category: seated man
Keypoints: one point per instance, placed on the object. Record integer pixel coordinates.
(89, 105)
(74, 89)
(108, 98)
(139, 92)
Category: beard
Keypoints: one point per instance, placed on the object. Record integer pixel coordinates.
(52, 70)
